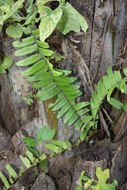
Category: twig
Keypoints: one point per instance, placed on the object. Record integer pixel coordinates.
(104, 123)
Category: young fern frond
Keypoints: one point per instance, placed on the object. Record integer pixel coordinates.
(52, 82)
(105, 88)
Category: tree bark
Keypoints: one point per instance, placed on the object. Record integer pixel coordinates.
(88, 56)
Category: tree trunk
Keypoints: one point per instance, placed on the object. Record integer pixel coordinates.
(88, 56)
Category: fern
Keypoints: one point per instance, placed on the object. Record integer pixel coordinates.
(105, 88)
(33, 155)
(52, 82)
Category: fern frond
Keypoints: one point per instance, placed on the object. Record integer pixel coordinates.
(105, 88)
(52, 82)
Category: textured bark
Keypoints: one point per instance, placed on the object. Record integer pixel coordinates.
(88, 56)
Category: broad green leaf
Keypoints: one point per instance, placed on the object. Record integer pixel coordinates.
(44, 11)
(48, 23)
(7, 63)
(45, 134)
(15, 30)
(71, 20)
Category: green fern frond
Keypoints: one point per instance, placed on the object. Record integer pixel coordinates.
(105, 88)
(52, 82)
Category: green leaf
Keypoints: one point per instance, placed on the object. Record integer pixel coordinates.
(73, 119)
(2, 70)
(30, 156)
(111, 75)
(42, 157)
(46, 52)
(122, 84)
(62, 144)
(59, 104)
(7, 63)
(25, 42)
(102, 176)
(11, 171)
(29, 61)
(36, 67)
(125, 71)
(45, 134)
(110, 92)
(81, 105)
(44, 165)
(15, 30)
(63, 110)
(48, 23)
(26, 50)
(48, 94)
(78, 124)
(25, 161)
(53, 148)
(68, 115)
(30, 141)
(71, 20)
(4, 180)
(21, 171)
(115, 103)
